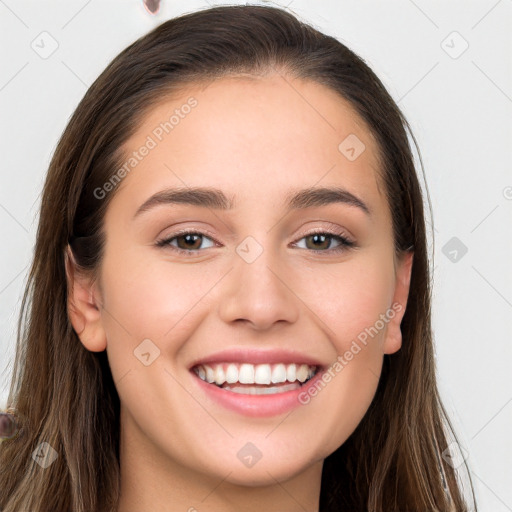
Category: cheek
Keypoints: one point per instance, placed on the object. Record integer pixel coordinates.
(150, 298)
(353, 303)
(142, 301)
(350, 299)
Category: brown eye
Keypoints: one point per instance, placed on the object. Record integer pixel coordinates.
(190, 241)
(186, 242)
(319, 241)
(322, 241)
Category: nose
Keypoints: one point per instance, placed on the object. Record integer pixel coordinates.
(259, 292)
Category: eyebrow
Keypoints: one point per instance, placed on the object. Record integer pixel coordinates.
(210, 197)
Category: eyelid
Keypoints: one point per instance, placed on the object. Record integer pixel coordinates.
(164, 240)
(334, 230)
(184, 231)
(346, 241)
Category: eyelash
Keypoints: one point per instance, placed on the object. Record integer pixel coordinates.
(345, 243)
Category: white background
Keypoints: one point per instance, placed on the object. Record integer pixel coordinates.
(459, 108)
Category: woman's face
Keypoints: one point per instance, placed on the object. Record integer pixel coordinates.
(266, 280)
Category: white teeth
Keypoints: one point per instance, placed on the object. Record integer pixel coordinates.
(278, 374)
(302, 372)
(246, 374)
(290, 372)
(262, 374)
(232, 373)
(220, 376)
(210, 375)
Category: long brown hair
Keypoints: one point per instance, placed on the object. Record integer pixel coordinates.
(64, 395)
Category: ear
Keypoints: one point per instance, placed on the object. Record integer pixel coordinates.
(393, 341)
(83, 307)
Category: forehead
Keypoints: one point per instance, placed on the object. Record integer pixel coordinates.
(255, 138)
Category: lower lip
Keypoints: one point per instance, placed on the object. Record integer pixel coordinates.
(257, 405)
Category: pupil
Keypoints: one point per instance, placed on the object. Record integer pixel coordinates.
(189, 239)
(316, 238)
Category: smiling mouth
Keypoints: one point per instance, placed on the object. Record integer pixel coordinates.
(256, 379)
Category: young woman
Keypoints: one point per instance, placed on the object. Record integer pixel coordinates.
(229, 304)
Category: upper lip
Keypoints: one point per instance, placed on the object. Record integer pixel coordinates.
(258, 356)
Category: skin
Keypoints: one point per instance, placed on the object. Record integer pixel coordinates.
(178, 448)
